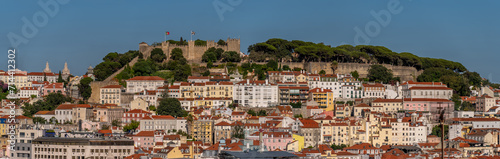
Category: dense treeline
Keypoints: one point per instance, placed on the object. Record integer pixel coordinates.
(177, 68)
(296, 50)
(112, 62)
(213, 55)
(451, 73)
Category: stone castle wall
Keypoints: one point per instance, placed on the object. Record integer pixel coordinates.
(191, 52)
(404, 72)
(96, 89)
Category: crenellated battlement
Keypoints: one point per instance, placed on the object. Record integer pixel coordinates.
(191, 52)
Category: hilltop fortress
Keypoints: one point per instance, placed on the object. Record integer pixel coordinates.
(193, 54)
(191, 51)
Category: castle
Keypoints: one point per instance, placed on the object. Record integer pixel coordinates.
(191, 52)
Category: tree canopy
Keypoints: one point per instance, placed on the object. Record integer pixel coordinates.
(49, 103)
(379, 73)
(112, 62)
(84, 87)
(170, 106)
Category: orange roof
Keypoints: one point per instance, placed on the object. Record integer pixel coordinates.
(426, 100)
(309, 123)
(43, 112)
(66, 106)
(29, 88)
(319, 90)
(146, 133)
(373, 85)
(148, 78)
(430, 88)
(423, 83)
(158, 117)
(223, 123)
(138, 111)
(362, 105)
(361, 146)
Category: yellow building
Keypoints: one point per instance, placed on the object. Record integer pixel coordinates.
(201, 129)
(4, 127)
(297, 145)
(206, 90)
(389, 105)
(20, 80)
(301, 77)
(324, 97)
(111, 94)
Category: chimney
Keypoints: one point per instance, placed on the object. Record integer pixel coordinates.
(248, 81)
(267, 82)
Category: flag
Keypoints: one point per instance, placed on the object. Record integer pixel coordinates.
(167, 33)
(192, 33)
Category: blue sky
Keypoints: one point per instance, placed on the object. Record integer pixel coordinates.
(83, 32)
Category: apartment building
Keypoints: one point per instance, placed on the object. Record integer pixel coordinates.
(255, 93)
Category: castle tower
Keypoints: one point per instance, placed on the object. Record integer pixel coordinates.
(65, 71)
(47, 69)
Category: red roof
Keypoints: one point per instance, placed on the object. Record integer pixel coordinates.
(157, 117)
(361, 146)
(319, 90)
(426, 100)
(29, 88)
(309, 123)
(146, 133)
(373, 85)
(66, 106)
(430, 88)
(423, 83)
(43, 112)
(138, 111)
(148, 78)
(223, 123)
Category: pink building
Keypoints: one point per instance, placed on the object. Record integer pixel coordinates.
(54, 88)
(236, 116)
(429, 105)
(147, 138)
(273, 140)
(136, 114)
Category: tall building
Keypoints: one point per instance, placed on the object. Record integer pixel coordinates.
(255, 93)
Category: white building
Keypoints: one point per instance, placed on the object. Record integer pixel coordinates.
(434, 90)
(255, 93)
(374, 90)
(140, 83)
(407, 131)
(64, 113)
(111, 94)
(27, 92)
(163, 122)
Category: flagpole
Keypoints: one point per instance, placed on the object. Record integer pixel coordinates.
(191, 35)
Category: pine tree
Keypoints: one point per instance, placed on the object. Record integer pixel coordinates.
(60, 79)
